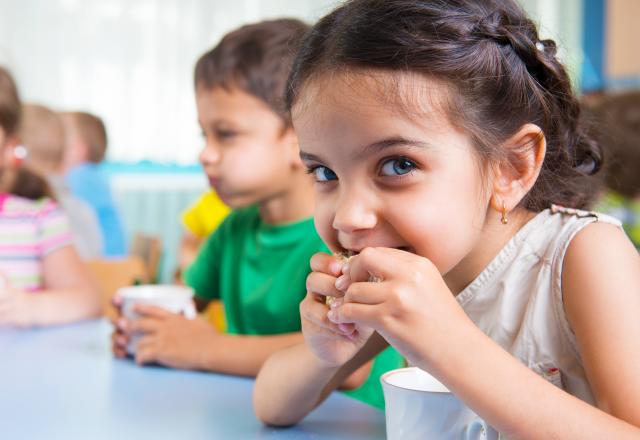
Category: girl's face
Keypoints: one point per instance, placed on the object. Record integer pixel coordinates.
(387, 177)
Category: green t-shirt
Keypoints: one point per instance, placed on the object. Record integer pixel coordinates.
(258, 270)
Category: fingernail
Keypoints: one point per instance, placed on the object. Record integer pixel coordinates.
(331, 315)
(341, 282)
(335, 267)
(344, 328)
(345, 268)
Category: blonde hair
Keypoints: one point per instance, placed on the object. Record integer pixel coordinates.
(91, 130)
(42, 134)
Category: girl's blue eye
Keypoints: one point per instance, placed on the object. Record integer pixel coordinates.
(323, 174)
(397, 167)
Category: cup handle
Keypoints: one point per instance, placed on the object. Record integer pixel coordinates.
(189, 311)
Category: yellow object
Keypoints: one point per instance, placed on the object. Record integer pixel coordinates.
(204, 216)
(201, 219)
(214, 314)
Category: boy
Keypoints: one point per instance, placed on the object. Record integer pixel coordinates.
(85, 149)
(257, 261)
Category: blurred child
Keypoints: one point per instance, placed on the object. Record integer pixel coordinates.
(443, 138)
(255, 262)
(618, 118)
(43, 281)
(42, 136)
(85, 149)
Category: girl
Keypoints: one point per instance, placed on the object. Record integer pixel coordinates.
(42, 280)
(443, 136)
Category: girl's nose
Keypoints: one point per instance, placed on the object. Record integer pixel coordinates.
(354, 213)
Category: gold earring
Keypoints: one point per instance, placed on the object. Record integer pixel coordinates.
(504, 218)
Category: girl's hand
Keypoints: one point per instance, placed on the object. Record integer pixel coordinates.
(334, 344)
(16, 306)
(170, 339)
(411, 307)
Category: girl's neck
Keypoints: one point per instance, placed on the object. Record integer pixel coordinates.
(493, 238)
(293, 204)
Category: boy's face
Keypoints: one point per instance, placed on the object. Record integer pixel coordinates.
(248, 155)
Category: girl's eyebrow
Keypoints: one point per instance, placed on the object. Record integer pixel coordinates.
(377, 146)
(309, 157)
(396, 142)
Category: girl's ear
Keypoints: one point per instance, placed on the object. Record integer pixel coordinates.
(515, 176)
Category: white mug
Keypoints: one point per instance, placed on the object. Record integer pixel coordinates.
(175, 299)
(418, 406)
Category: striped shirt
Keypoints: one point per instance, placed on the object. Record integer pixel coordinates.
(29, 231)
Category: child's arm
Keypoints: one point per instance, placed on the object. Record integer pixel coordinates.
(294, 381)
(304, 375)
(69, 294)
(177, 342)
(602, 300)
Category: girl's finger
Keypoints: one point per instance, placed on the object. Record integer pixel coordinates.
(316, 314)
(380, 263)
(367, 293)
(363, 314)
(323, 284)
(329, 264)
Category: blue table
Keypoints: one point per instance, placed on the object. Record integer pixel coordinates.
(62, 383)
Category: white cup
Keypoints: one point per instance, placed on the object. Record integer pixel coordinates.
(418, 406)
(175, 299)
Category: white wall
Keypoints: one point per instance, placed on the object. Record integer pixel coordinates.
(131, 61)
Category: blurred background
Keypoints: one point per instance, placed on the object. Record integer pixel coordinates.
(131, 62)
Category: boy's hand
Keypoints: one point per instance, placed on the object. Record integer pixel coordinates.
(170, 339)
(333, 343)
(16, 306)
(411, 307)
(120, 335)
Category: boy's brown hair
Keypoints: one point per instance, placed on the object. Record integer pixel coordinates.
(618, 128)
(9, 103)
(255, 58)
(91, 130)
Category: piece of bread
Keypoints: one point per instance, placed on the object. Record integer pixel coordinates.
(332, 301)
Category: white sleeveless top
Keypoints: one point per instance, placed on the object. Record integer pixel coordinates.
(517, 299)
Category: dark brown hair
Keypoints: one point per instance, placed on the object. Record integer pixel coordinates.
(91, 130)
(499, 74)
(617, 119)
(23, 182)
(17, 181)
(255, 58)
(9, 103)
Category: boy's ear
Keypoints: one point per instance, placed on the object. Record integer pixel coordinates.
(516, 175)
